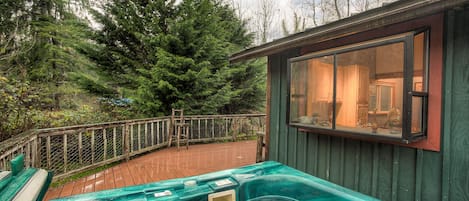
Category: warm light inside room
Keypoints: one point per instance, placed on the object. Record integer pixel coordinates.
(368, 85)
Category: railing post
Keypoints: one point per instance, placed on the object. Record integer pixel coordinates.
(226, 126)
(48, 150)
(213, 128)
(27, 153)
(198, 129)
(38, 153)
(146, 134)
(127, 142)
(260, 146)
(152, 134)
(65, 152)
(92, 146)
(170, 129)
(104, 144)
(80, 147)
(139, 139)
(131, 139)
(114, 144)
(34, 151)
(158, 132)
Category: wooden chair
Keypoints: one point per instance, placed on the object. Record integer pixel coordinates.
(180, 132)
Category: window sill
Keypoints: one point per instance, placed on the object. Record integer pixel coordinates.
(356, 133)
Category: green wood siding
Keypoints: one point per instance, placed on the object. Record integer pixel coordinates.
(388, 172)
(456, 138)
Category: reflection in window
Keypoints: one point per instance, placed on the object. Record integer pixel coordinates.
(367, 80)
(360, 88)
(311, 92)
(381, 97)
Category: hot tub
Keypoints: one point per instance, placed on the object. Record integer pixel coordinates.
(263, 181)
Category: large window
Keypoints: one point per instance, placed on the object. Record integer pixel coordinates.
(375, 88)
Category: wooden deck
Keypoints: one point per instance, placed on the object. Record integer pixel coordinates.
(163, 164)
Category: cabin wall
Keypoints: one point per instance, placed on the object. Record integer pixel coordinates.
(385, 171)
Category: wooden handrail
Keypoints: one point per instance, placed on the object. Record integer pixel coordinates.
(72, 149)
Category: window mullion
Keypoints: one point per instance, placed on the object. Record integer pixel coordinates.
(407, 98)
(334, 93)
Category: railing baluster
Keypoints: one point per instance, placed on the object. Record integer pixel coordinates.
(226, 126)
(105, 144)
(146, 134)
(45, 140)
(124, 139)
(191, 133)
(166, 135)
(114, 144)
(92, 146)
(213, 127)
(80, 147)
(39, 150)
(27, 154)
(48, 152)
(128, 141)
(152, 134)
(158, 132)
(65, 152)
(206, 128)
(138, 137)
(198, 128)
(131, 138)
(33, 153)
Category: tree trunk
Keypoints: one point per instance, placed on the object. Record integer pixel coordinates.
(336, 6)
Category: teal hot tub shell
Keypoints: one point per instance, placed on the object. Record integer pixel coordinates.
(263, 181)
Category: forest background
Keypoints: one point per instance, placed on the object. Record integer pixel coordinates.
(69, 62)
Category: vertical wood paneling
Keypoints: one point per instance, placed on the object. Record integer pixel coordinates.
(356, 178)
(366, 166)
(418, 175)
(284, 135)
(302, 151)
(274, 65)
(312, 158)
(374, 180)
(323, 157)
(449, 47)
(432, 165)
(292, 147)
(459, 127)
(406, 180)
(385, 172)
(388, 172)
(350, 147)
(335, 160)
(395, 172)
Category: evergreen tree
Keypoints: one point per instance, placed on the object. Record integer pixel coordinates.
(176, 56)
(192, 69)
(48, 45)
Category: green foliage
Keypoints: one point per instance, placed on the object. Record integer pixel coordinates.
(159, 54)
(16, 108)
(178, 57)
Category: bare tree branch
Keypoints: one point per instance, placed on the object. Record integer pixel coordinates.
(336, 6)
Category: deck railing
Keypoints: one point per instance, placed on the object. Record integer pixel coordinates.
(69, 150)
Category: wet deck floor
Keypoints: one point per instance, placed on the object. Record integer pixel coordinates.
(161, 165)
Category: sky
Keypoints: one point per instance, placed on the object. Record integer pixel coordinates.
(285, 9)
